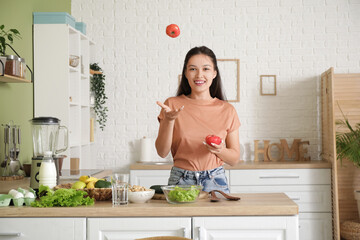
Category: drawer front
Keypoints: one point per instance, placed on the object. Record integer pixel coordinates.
(280, 177)
(315, 226)
(309, 198)
(147, 178)
(42, 228)
(135, 228)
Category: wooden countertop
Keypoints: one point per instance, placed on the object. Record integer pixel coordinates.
(242, 165)
(251, 204)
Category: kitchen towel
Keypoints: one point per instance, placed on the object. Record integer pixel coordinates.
(146, 145)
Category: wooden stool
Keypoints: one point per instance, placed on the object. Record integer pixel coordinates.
(350, 230)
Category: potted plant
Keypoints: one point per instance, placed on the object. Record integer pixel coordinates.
(348, 146)
(6, 35)
(97, 87)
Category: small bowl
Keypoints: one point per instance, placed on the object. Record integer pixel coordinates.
(5, 200)
(74, 60)
(182, 193)
(141, 196)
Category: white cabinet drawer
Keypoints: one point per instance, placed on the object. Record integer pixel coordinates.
(280, 177)
(309, 198)
(134, 228)
(43, 228)
(315, 226)
(147, 178)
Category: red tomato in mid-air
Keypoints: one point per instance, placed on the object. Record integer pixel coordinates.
(173, 30)
(213, 139)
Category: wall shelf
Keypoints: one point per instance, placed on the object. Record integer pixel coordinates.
(11, 79)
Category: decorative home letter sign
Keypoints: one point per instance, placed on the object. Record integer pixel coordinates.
(296, 149)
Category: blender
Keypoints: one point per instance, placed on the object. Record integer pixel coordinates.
(45, 134)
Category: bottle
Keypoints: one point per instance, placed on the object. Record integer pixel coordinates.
(47, 172)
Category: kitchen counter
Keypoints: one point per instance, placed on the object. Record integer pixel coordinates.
(251, 204)
(5, 186)
(241, 165)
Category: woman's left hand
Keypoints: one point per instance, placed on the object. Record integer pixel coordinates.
(214, 148)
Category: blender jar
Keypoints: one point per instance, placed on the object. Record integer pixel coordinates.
(45, 133)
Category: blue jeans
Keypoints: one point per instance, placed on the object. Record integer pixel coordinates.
(213, 179)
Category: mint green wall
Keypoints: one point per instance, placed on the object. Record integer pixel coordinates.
(16, 99)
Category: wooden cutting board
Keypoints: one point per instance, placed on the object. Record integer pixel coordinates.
(161, 196)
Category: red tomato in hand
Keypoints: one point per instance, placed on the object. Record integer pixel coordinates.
(173, 30)
(213, 139)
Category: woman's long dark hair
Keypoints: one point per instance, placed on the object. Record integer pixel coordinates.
(216, 86)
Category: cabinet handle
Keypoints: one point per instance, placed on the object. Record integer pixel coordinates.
(10, 234)
(279, 177)
(199, 229)
(184, 232)
(296, 198)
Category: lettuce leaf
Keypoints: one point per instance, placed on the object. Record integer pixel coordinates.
(64, 198)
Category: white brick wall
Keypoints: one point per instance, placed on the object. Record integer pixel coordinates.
(295, 40)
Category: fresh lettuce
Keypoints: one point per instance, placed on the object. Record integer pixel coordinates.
(63, 198)
(183, 195)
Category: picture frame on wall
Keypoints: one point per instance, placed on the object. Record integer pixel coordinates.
(268, 85)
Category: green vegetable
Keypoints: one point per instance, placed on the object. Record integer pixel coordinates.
(63, 198)
(102, 184)
(183, 195)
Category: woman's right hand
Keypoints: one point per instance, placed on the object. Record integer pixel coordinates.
(169, 113)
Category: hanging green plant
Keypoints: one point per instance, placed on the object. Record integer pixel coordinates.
(97, 82)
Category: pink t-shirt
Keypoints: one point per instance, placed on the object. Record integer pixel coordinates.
(198, 119)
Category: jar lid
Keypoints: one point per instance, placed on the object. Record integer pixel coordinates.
(11, 57)
(45, 121)
(22, 60)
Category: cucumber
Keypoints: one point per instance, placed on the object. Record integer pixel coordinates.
(157, 188)
(102, 184)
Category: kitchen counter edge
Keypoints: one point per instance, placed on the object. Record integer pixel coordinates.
(251, 204)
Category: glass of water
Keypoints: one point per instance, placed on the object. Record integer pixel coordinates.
(120, 188)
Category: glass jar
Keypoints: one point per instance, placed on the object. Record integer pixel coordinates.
(12, 65)
(22, 67)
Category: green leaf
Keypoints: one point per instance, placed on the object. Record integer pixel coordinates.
(15, 31)
(10, 38)
(2, 27)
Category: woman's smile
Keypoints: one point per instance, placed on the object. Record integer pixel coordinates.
(199, 82)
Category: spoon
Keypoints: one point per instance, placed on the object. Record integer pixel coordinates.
(214, 198)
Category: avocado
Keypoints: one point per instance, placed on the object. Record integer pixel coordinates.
(102, 184)
(157, 188)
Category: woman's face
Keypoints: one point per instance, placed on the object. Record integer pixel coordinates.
(200, 73)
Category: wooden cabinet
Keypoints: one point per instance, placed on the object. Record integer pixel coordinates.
(43, 228)
(340, 90)
(309, 188)
(241, 228)
(133, 228)
(61, 90)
